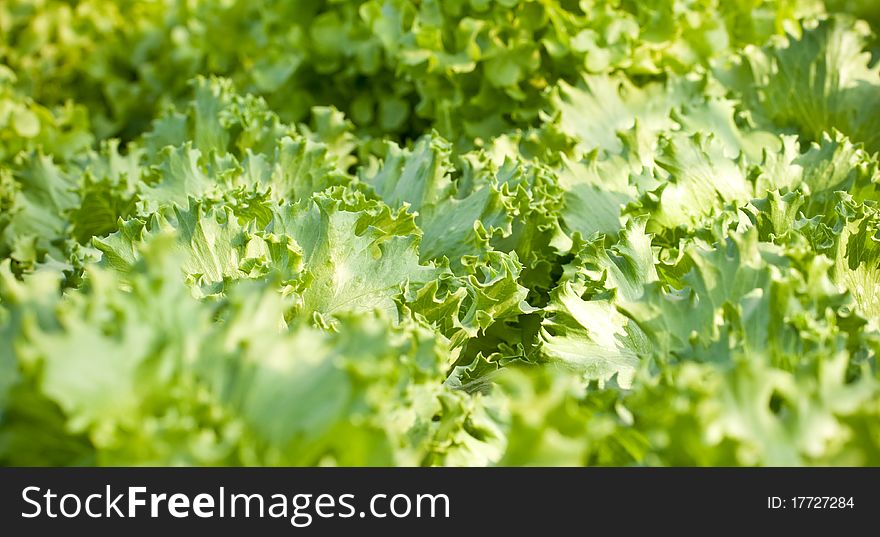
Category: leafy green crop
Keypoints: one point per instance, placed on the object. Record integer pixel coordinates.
(425, 232)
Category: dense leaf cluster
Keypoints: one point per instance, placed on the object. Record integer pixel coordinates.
(425, 232)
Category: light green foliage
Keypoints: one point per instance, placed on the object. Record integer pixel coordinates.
(464, 232)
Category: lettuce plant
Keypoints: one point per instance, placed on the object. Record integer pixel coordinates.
(468, 232)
